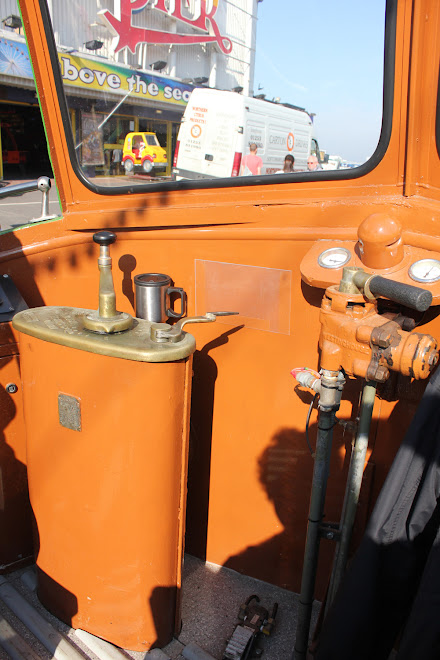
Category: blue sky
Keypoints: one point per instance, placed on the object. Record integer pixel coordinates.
(327, 57)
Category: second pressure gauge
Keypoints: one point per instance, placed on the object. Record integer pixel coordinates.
(334, 257)
(425, 270)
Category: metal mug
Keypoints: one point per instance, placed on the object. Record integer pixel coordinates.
(153, 297)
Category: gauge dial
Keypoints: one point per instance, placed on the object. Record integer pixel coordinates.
(425, 270)
(334, 257)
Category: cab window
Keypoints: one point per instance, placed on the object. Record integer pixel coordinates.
(200, 76)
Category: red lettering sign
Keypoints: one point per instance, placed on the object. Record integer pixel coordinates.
(130, 35)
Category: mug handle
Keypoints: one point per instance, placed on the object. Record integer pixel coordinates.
(171, 313)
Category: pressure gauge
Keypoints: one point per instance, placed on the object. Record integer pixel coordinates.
(425, 270)
(334, 257)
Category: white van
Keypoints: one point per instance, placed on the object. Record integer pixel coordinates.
(218, 127)
(332, 163)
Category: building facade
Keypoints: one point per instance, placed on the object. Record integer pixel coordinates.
(127, 65)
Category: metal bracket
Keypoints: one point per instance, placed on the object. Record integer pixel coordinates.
(329, 531)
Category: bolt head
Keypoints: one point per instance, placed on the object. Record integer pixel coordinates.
(382, 374)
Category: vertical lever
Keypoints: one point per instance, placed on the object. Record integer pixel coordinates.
(107, 296)
(106, 319)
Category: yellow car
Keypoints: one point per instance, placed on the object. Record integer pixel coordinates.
(142, 150)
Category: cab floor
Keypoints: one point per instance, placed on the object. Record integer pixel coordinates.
(211, 597)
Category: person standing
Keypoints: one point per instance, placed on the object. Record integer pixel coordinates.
(289, 162)
(251, 164)
(115, 166)
(313, 164)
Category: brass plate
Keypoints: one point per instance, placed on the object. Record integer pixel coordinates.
(65, 326)
(69, 412)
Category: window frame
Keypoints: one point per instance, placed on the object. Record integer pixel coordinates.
(235, 182)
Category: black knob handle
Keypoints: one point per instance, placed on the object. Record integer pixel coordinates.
(405, 294)
(104, 238)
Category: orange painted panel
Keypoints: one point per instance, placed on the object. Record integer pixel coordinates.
(245, 407)
(109, 499)
(15, 512)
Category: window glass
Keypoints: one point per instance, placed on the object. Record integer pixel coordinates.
(217, 89)
(23, 154)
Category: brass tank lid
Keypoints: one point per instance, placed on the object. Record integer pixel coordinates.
(65, 326)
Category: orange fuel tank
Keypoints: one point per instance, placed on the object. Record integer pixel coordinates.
(107, 465)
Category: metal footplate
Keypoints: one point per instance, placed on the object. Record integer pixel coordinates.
(238, 643)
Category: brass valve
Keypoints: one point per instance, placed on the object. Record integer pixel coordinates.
(106, 319)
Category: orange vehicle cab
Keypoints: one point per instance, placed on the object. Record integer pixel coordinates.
(127, 439)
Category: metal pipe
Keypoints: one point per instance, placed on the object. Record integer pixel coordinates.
(19, 189)
(352, 490)
(45, 205)
(44, 185)
(331, 391)
(308, 379)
